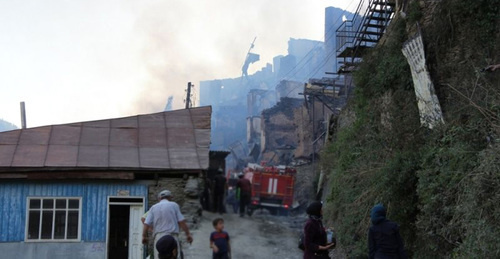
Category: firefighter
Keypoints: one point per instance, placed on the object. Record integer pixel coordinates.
(244, 188)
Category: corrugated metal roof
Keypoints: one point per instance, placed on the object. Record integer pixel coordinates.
(166, 140)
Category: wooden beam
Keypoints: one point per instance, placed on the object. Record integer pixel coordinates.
(80, 175)
(13, 176)
(111, 175)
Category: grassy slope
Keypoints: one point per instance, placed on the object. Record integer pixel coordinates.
(440, 185)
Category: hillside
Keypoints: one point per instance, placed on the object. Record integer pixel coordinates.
(441, 185)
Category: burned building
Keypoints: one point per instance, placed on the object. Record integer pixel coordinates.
(305, 59)
(333, 19)
(289, 89)
(279, 131)
(238, 102)
(229, 100)
(297, 128)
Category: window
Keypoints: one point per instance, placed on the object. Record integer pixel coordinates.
(53, 219)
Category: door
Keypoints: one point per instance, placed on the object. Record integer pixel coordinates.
(135, 248)
(118, 231)
(124, 235)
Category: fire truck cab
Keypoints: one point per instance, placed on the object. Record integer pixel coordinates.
(272, 187)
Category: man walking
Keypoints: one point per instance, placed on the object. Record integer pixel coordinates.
(244, 187)
(165, 218)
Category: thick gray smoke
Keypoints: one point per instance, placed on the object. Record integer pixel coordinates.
(197, 40)
(104, 59)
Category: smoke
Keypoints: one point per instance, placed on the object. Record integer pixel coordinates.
(190, 41)
(104, 59)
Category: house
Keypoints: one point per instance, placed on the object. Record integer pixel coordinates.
(79, 190)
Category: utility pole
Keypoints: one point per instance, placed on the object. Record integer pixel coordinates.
(188, 97)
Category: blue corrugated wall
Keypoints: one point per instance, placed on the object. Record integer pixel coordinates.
(94, 205)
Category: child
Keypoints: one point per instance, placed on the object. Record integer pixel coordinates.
(219, 241)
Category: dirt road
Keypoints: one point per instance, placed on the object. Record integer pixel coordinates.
(259, 236)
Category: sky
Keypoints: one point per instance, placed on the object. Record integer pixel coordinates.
(71, 60)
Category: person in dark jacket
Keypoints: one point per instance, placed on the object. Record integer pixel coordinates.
(315, 241)
(219, 191)
(384, 241)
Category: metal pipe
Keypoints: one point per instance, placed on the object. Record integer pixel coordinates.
(23, 116)
(188, 97)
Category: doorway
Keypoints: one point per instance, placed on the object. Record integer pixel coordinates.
(125, 227)
(119, 217)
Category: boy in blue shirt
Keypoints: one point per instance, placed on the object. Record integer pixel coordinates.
(219, 241)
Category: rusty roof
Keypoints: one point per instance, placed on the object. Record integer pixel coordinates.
(167, 140)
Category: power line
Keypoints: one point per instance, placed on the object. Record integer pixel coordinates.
(315, 70)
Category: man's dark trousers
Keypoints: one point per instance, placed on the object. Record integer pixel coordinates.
(219, 203)
(244, 201)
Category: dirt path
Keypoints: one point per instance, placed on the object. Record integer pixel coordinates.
(257, 237)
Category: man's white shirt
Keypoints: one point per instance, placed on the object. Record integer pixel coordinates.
(164, 217)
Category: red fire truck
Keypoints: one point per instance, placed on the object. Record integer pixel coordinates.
(272, 187)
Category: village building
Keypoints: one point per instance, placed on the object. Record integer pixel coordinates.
(79, 190)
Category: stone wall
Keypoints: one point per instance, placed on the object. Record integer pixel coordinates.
(185, 192)
(174, 185)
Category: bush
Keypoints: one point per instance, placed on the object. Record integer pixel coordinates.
(479, 210)
(445, 165)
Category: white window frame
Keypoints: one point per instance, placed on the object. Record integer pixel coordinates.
(41, 209)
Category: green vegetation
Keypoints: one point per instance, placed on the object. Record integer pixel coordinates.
(440, 185)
